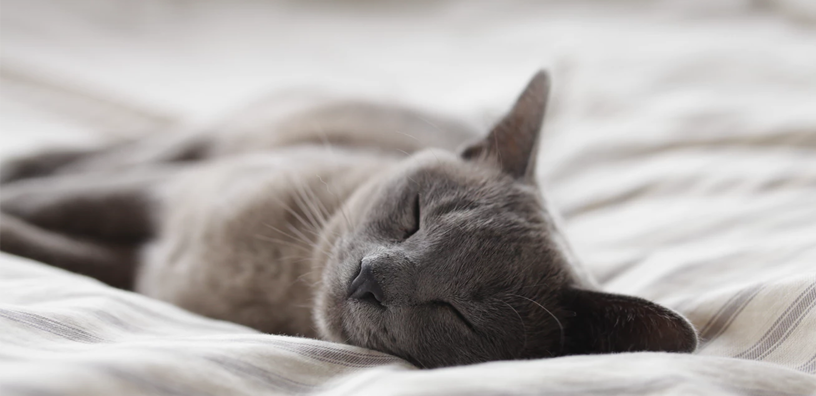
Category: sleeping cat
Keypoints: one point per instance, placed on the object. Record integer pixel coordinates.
(376, 226)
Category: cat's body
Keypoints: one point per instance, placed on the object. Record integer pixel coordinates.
(237, 210)
(254, 246)
(351, 222)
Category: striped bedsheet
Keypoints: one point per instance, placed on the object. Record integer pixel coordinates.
(63, 334)
(680, 148)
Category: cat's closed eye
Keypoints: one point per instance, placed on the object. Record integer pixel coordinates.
(413, 227)
(446, 306)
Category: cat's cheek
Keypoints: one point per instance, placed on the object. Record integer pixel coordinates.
(330, 306)
(328, 318)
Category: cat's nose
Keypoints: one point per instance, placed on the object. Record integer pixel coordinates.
(365, 286)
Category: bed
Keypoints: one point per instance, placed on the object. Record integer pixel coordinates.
(680, 149)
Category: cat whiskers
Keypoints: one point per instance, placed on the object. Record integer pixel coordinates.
(560, 326)
(425, 120)
(281, 241)
(295, 238)
(296, 235)
(306, 203)
(407, 154)
(313, 222)
(324, 138)
(328, 146)
(340, 202)
(303, 276)
(410, 136)
(312, 215)
(307, 225)
(304, 244)
(523, 326)
(315, 210)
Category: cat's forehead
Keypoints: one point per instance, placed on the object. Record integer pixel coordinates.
(483, 230)
(489, 241)
(445, 175)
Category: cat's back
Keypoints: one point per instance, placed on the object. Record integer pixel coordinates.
(356, 124)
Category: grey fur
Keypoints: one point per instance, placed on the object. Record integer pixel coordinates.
(268, 223)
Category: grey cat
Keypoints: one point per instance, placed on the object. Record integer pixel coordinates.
(347, 221)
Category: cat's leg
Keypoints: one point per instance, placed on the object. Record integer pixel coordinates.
(111, 263)
(91, 223)
(40, 164)
(150, 150)
(114, 206)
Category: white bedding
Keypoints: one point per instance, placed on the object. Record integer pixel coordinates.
(681, 148)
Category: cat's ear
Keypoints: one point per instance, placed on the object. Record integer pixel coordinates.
(609, 323)
(513, 142)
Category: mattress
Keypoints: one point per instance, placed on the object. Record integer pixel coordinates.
(680, 149)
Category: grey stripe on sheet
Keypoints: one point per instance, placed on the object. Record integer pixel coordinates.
(323, 353)
(809, 366)
(721, 320)
(785, 324)
(665, 385)
(145, 384)
(326, 353)
(152, 313)
(154, 387)
(50, 326)
(248, 370)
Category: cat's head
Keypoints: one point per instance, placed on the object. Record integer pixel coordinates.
(453, 259)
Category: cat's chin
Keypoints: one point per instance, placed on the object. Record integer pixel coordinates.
(336, 318)
(328, 317)
(348, 321)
